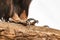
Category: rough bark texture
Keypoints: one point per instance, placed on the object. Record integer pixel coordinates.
(13, 31)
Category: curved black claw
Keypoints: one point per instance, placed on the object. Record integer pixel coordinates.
(31, 21)
(46, 26)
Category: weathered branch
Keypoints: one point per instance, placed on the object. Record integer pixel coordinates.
(13, 31)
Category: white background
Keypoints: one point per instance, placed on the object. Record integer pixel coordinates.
(46, 11)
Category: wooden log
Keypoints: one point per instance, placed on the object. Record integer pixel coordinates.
(13, 31)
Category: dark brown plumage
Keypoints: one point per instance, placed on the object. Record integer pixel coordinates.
(14, 9)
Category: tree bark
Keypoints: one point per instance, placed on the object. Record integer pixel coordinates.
(13, 31)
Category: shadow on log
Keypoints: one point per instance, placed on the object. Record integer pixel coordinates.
(13, 31)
